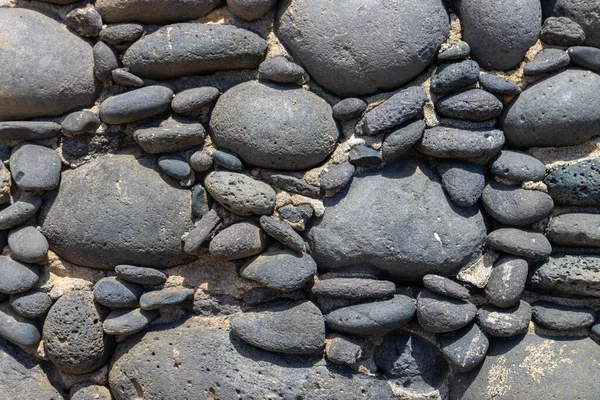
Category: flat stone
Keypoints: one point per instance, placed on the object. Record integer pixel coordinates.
(586, 13)
(519, 242)
(574, 230)
(575, 184)
(34, 167)
(336, 176)
(227, 160)
(562, 31)
(73, 337)
(446, 287)
(165, 297)
(401, 140)
(465, 349)
(67, 80)
(123, 77)
(349, 108)
(86, 21)
(192, 100)
(250, 10)
(408, 197)
(17, 277)
(403, 106)
(463, 181)
(363, 156)
(499, 33)
(512, 205)
(113, 292)
(31, 304)
(446, 142)
(373, 318)
(28, 130)
(175, 166)
(296, 328)
(546, 61)
(571, 274)
(170, 135)
(140, 275)
(470, 105)
(17, 329)
(504, 322)
(105, 61)
(201, 161)
(274, 126)
(160, 12)
(20, 211)
(127, 322)
(136, 105)
(115, 226)
(517, 166)
(80, 122)
(240, 194)
(498, 85)
(353, 288)
(121, 33)
(291, 184)
(240, 240)
(562, 318)
(455, 51)
(450, 77)
(27, 244)
(440, 314)
(281, 270)
(507, 282)
(279, 69)
(202, 49)
(586, 57)
(206, 361)
(282, 232)
(545, 115)
(355, 271)
(202, 232)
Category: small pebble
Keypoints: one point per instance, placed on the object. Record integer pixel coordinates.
(121, 33)
(192, 100)
(165, 297)
(349, 108)
(80, 122)
(546, 61)
(116, 293)
(31, 304)
(562, 31)
(280, 69)
(27, 244)
(561, 318)
(282, 232)
(586, 57)
(507, 282)
(86, 21)
(455, 51)
(505, 322)
(173, 134)
(446, 287)
(123, 77)
(336, 176)
(519, 242)
(363, 156)
(140, 275)
(201, 161)
(237, 241)
(105, 61)
(127, 322)
(227, 160)
(175, 166)
(498, 85)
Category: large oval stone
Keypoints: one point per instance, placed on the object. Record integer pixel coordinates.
(155, 11)
(45, 69)
(400, 220)
(118, 210)
(358, 47)
(561, 110)
(274, 126)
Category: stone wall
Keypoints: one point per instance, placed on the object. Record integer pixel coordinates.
(299, 199)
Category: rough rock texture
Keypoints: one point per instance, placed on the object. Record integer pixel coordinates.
(584, 12)
(67, 79)
(114, 226)
(374, 56)
(465, 349)
(440, 314)
(574, 230)
(281, 269)
(504, 322)
(274, 126)
(154, 12)
(576, 184)
(448, 142)
(571, 274)
(240, 194)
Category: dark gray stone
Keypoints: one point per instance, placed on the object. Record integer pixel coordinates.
(31, 304)
(17, 277)
(274, 126)
(158, 12)
(142, 225)
(140, 275)
(202, 49)
(86, 21)
(512, 205)
(80, 122)
(165, 297)
(282, 232)
(562, 31)
(297, 215)
(65, 82)
(240, 240)
(200, 201)
(402, 139)
(373, 318)
(363, 156)
(519, 242)
(586, 57)
(499, 33)
(336, 176)
(261, 295)
(291, 184)
(87, 391)
(570, 274)
(353, 288)
(123, 77)
(403, 106)
(295, 328)
(507, 282)
(175, 166)
(562, 318)
(280, 69)
(517, 166)
(505, 322)
(446, 287)
(136, 105)
(533, 367)
(201, 161)
(575, 184)
(73, 337)
(171, 135)
(440, 314)
(20, 211)
(121, 33)
(127, 322)
(27, 244)
(463, 181)
(206, 363)
(281, 270)
(35, 167)
(206, 227)
(113, 292)
(344, 351)
(465, 349)
(455, 51)
(498, 85)
(574, 230)
(471, 105)
(454, 76)
(227, 160)
(388, 61)
(28, 130)
(586, 13)
(240, 194)
(446, 142)
(250, 10)
(105, 61)
(545, 115)
(546, 61)
(350, 233)
(192, 100)
(355, 271)
(349, 108)
(17, 329)
(215, 305)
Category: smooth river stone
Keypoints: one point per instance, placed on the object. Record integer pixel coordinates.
(155, 11)
(512, 205)
(35, 167)
(18, 329)
(574, 230)
(281, 270)
(16, 277)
